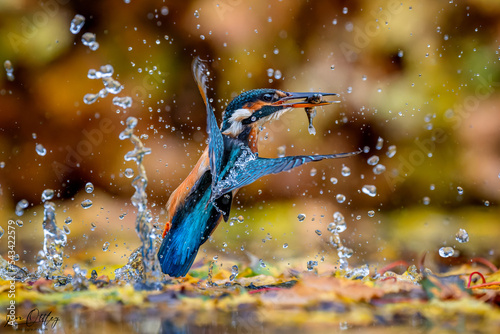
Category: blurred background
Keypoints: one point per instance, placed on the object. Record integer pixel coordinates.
(422, 76)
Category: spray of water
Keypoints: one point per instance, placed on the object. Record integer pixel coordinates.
(143, 266)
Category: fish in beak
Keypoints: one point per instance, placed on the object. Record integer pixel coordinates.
(307, 101)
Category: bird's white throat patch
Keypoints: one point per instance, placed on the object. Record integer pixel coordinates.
(239, 115)
(235, 120)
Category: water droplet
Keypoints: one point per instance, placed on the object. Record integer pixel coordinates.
(129, 172)
(88, 38)
(426, 200)
(486, 203)
(105, 246)
(234, 273)
(370, 190)
(196, 14)
(2, 164)
(371, 213)
(106, 71)
(262, 264)
(47, 195)
(103, 93)
(332, 67)
(334, 22)
(202, 37)
(318, 232)
(92, 226)
(66, 229)
(333, 180)
(400, 53)
(338, 217)
(77, 24)
(281, 151)
(131, 122)
(112, 85)
(345, 10)
(276, 51)
(460, 190)
(89, 188)
(301, 217)
(380, 143)
(124, 102)
(90, 98)
(346, 171)
(93, 74)
(270, 72)
(19, 223)
(373, 160)
(311, 264)
(446, 251)
(285, 245)
(462, 236)
(349, 90)
(20, 206)
(277, 74)
(391, 151)
(68, 220)
(9, 69)
(313, 171)
(378, 169)
(345, 252)
(86, 204)
(2, 231)
(340, 198)
(40, 150)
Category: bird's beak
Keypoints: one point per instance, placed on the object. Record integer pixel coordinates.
(305, 100)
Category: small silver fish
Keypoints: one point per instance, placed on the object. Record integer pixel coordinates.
(311, 112)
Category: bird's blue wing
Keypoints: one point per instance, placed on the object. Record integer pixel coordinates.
(215, 141)
(245, 173)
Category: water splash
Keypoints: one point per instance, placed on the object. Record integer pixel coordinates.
(143, 265)
(50, 259)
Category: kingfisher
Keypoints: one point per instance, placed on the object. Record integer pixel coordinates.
(229, 162)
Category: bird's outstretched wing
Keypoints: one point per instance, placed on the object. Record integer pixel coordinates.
(215, 141)
(253, 168)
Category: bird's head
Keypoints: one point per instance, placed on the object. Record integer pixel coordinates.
(256, 107)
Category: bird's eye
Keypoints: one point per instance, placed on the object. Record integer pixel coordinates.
(267, 97)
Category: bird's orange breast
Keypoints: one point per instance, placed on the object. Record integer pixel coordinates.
(179, 195)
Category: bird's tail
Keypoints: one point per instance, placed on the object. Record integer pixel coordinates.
(175, 255)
